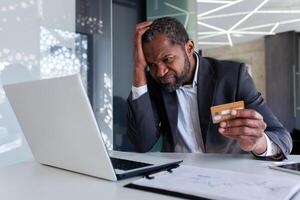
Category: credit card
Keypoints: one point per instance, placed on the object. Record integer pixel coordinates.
(222, 112)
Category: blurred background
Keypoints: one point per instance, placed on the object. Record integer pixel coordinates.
(49, 38)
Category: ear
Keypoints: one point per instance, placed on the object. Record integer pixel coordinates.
(189, 48)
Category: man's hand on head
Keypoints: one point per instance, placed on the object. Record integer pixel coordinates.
(248, 128)
(139, 59)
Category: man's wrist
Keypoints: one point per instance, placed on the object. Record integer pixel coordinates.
(272, 149)
(139, 77)
(261, 146)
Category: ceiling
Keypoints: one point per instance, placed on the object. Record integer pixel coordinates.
(228, 22)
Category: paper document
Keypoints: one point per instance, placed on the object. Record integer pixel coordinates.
(221, 184)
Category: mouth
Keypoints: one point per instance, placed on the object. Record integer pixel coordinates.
(169, 79)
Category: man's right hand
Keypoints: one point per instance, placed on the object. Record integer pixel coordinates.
(139, 59)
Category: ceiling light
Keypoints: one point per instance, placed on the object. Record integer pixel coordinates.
(219, 8)
(248, 15)
(238, 35)
(213, 43)
(213, 1)
(229, 39)
(215, 31)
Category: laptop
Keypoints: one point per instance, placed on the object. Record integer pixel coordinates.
(60, 127)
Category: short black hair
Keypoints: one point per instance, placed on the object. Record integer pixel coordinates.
(168, 26)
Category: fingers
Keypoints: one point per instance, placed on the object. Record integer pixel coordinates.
(247, 143)
(237, 122)
(247, 131)
(141, 28)
(239, 132)
(140, 32)
(246, 113)
(246, 123)
(247, 138)
(247, 128)
(143, 25)
(139, 57)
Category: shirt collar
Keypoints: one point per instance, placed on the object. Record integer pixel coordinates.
(195, 80)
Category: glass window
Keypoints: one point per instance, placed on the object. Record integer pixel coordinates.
(49, 38)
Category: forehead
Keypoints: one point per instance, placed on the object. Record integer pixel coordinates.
(159, 47)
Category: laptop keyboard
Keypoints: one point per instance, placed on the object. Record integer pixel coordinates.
(127, 164)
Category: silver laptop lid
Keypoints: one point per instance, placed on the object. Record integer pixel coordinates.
(59, 125)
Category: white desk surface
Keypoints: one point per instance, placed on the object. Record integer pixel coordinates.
(33, 181)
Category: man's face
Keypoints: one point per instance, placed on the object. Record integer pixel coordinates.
(169, 64)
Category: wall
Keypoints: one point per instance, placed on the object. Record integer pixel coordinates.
(252, 53)
(126, 14)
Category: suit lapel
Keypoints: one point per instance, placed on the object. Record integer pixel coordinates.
(206, 91)
(170, 101)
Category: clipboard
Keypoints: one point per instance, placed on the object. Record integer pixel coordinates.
(163, 191)
(192, 182)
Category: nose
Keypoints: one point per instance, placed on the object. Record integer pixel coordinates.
(162, 70)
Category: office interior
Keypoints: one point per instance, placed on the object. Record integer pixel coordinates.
(42, 39)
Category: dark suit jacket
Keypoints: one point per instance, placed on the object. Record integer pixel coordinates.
(155, 113)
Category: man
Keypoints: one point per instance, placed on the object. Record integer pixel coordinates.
(174, 88)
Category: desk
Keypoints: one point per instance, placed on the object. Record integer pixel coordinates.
(33, 181)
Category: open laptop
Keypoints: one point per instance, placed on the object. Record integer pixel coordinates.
(61, 130)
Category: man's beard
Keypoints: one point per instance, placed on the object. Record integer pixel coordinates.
(181, 79)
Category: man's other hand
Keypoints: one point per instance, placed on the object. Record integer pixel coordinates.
(139, 59)
(248, 128)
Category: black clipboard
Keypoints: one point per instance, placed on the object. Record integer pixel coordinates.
(165, 192)
(162, 191)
